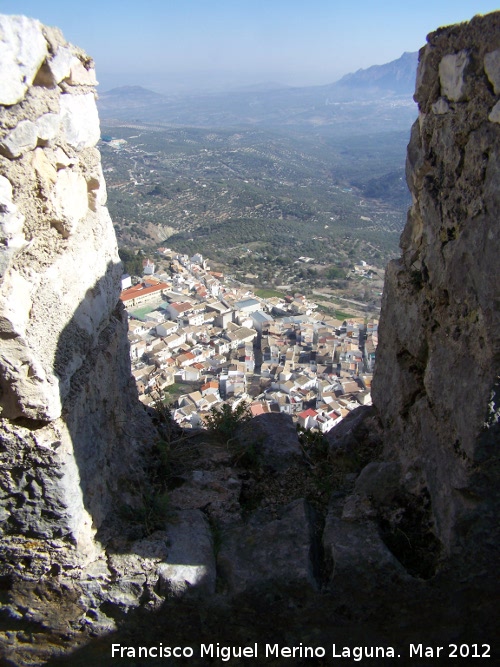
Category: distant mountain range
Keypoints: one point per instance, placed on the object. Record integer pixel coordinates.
(398, 76)
(378, 98)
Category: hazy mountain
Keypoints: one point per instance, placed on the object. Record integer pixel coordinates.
(128, 97)
(397, 76)
(375, 99)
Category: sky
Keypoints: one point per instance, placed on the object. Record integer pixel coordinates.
(176, 45)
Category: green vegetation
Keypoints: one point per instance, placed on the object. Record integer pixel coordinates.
(132, 261)
(224, 421)
(335, 273)
(313, 443)
(333, 312)
(152, 513)
(152, 510)
(256, 200)
(269, 294)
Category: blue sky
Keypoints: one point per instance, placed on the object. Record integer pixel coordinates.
(183, 43)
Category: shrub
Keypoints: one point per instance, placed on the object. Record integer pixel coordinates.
(225, 420)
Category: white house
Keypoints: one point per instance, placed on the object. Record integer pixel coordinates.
(191, 374)
(197, 317)
(126, 281)
(175, 339)
(166, 329)
(304, 382)
(239, 336)
(157, 316)
(148, 267)
(232, 383)
(248, 305)
(325, 421)
(137, 348)
(307, 418)
(259, 318)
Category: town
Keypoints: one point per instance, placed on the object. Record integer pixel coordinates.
(199, 340)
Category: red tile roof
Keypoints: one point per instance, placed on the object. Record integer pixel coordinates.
(182, 307)
(210, 385)
(258, 409)
(308, 413)
(139, 290)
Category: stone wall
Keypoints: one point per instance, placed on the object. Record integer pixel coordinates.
(70, 427)
(436, 377)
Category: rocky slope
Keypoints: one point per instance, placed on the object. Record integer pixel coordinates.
(383, 535)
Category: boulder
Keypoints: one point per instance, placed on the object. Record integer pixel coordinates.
(274, 438)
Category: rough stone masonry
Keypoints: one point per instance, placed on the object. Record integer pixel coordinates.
(436, 383)
(70, 425)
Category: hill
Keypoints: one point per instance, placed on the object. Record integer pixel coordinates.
(128, 97)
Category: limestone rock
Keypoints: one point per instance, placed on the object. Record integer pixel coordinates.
(378, 481)
(11, 226)
(62, 159)
(16, 302)
(96, 187)
(270, 554)
(441, 106)
(60, 64)
(357, 430)
(70, 200)
(79, 120)
(22, 51)
(204, 488)
(79, 75)
(190, 562)
(494, 116)
(451, 75)
(25, 136)
(47, 126)
(42, 166)
(376, 487)
(492, 69)
(21, 139)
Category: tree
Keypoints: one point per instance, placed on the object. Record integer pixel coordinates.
(335, 273)
(224, 421)
(132, 261)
